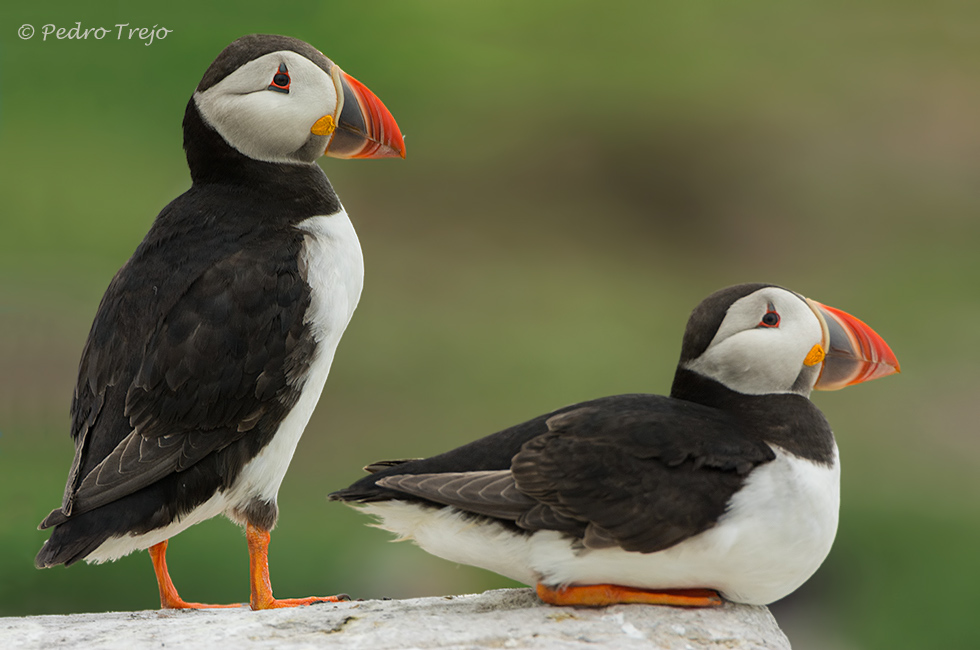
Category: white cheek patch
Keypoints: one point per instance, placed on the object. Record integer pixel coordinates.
(761, 360)
(264, 124)
(747, 363)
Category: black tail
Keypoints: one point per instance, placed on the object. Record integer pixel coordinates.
(71, 540)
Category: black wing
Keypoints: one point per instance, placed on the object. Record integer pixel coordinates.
(191, 350)
(638, 471)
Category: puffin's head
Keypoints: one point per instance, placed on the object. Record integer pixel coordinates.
(278, 99)
(758, 339)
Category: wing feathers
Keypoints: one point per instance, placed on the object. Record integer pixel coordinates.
(491, 493)
(380, 465)
(213, 368)
(641, 472)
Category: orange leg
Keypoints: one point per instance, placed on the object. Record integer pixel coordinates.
(258, 561)
(169, 598)
(602, 595)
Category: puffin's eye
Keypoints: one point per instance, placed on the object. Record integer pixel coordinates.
(770, 318)
(280, 82)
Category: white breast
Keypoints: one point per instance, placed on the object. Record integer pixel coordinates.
(334, 267)
(778, 530)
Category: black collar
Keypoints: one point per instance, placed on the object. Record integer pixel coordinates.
(786, 420)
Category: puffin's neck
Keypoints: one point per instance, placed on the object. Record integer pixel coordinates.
(788, 420)
(213, 161)
(693, 387)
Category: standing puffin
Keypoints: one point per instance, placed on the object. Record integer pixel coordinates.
(729, 486)
(212, 343)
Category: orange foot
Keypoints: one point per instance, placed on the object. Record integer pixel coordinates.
(602, 595)
(262, 598)
(274, 603)
(169, 598)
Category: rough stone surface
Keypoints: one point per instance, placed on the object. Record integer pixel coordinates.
(506, 618)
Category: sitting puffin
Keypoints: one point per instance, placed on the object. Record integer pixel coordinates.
(212, 343)
(728, 486)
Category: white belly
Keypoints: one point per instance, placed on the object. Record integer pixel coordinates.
(335, 272)
(334, 268)
(778, 530)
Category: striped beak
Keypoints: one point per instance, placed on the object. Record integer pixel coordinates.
(362, 126)
(853, 352)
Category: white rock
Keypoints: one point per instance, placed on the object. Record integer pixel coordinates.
(506, 618)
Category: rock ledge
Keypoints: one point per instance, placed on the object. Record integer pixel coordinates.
(505, 618)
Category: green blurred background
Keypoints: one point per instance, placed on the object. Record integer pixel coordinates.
(579, 176)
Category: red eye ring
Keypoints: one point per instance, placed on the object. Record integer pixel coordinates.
(770, 318)
(281, 80)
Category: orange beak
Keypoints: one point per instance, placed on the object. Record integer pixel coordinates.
(364, 126)
(854, 352)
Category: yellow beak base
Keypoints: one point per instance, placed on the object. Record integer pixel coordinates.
(815, 355)
(323, 126)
